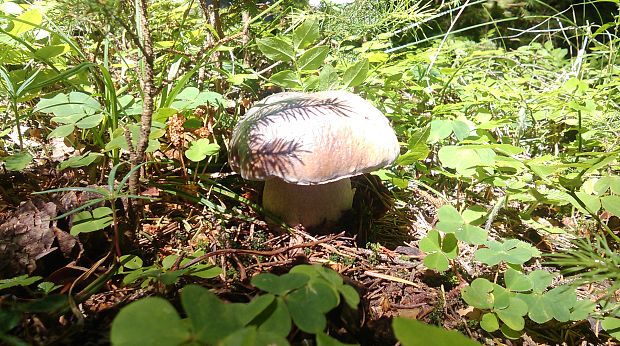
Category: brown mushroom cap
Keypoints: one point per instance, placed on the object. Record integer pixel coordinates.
(310, 139)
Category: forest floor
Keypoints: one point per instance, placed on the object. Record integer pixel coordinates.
(387, 272)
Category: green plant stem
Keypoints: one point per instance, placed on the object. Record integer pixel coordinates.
(117, 245)
(17, 128)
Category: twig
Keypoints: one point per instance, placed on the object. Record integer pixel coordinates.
(259, 252)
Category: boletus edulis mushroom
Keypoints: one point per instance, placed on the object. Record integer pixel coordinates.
(306, 146)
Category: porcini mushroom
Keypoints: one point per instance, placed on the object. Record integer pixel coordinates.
(306, 146)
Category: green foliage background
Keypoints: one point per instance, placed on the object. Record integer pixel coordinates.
(502, 109)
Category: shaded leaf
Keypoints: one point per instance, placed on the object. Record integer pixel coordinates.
(149, 321)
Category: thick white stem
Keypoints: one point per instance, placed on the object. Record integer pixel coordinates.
(309, 205)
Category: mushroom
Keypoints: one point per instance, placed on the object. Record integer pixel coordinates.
(306, 146)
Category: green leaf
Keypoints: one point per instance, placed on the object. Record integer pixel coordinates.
(510, 333)
(47, 287)
(415, 333)
(463, 158)
(461, 130)
(252, 336)
(478, 294)
(516, 281)
(22, 280)
(436, 261)
(204, 271)
(250, 311)
(279, 284)
(51, 51)
(417, 147)
(512, 251)
(471, 234)
(90, 121)
(512, 316)
(62, 131)
(592, 203)
(561, 299)
(350, 295)
(275, 319)
(308, 305)
(18, 162)
(439, 251)
(211, 319)
(276, 48)
(131, 261)
(79, 161)
(192, 97)
(200, 149)
(611, 204)
(306, 318)
(27, 22)
(328, 78)
(87, 221)
(440, 129)
(68, 109)
(489, 322)
(323, 339)
(306, 33)
(612, 326)
(149, 321)
(582, 309)
(313, 58)
(286, 79)
(431, 243)
(450, 220)
(541, 279)
(356, 74)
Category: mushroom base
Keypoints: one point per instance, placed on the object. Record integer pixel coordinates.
(308, 205)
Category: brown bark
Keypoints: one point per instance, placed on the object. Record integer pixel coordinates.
(212, 14)
(148, 89)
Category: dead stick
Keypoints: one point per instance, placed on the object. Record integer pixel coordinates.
(259, 252)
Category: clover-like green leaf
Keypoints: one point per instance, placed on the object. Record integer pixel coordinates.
(489, 322)
(410, 332)
(250, 311)
(275, 319)
(512, 251)
(471, 234)
(478, 294)
(279, 284)
(200, 149)
(501, 297)
(149, 321)
(611, 204)
(440, 129)
(516, 281)
(512, 315)
(541, 279)
(582, 309)
(612, 326)
(61, 131)
(438, 251)
(211, 319)
(450, 220)
(436, 261)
